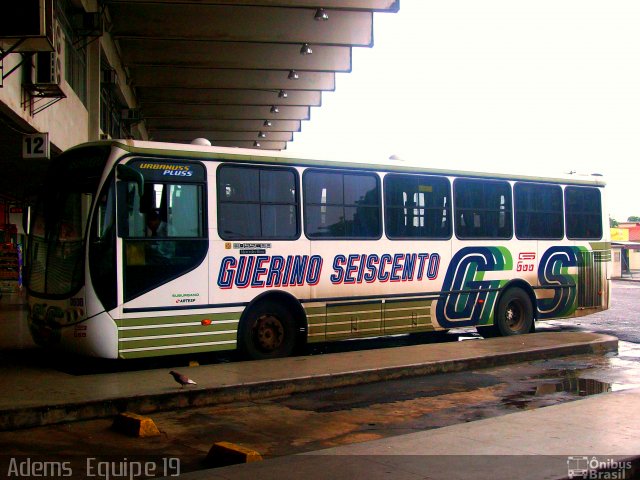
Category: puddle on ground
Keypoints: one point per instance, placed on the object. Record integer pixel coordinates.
(541, 390)
(377, 393)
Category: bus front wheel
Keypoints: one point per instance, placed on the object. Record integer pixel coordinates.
(513, 316)
(267, 331)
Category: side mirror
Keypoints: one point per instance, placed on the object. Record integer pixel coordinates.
(124, 172)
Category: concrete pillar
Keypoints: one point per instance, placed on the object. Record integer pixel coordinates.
(616, 264)
(93, 90)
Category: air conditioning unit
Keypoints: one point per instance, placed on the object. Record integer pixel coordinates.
(46, 70)
(130, 115)
(31, 22)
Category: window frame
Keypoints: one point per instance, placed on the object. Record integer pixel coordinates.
(516, 210)
(388, 208)
(456, 208)
(570, 188)
(140, 277)
(379, 204)
(297, 204)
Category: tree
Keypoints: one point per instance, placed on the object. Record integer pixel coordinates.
(633, 218)
(613, 223)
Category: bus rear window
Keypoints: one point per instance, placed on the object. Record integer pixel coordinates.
(583, 213)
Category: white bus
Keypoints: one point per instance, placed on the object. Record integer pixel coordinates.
(264, 252)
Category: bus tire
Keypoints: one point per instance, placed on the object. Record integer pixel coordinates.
(267, 330)
(514, 315)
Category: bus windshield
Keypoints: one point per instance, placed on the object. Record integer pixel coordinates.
(58, 223)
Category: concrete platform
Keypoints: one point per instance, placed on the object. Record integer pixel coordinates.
(547, 443)
(35, 396)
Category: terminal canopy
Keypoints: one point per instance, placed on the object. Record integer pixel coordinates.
(239, 73)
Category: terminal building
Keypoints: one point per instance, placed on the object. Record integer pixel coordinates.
(238, 73)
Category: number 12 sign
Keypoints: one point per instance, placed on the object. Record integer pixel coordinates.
(35, 145)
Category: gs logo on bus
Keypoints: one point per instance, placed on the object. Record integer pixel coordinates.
(468, 299)
(553, 272)
(466, 272)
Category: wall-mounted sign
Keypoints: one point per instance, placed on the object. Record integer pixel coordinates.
(35, 145)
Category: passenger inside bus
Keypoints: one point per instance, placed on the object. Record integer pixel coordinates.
(158, 251)
(155, 226)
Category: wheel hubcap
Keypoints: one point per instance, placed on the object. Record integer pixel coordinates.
(513, 316)
(268, 333)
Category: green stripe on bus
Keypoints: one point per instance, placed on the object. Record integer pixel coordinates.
(354, 307)
(390, 305)
(144, 332)
(316, 320)
(407, 323)
(175, 341)
(407, 312)
(315, 330)
(143, 321)
(335, 317)
(334, 328)
(394, 330)
(600, 245)
(318, 310)
(356, 324)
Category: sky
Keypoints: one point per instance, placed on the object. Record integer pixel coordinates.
(544, 87)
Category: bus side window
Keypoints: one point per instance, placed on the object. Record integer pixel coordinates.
(185, 215)
(257, 203)
(483, 207)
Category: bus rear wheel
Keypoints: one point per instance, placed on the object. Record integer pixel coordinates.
(267, 331)
(513, 316)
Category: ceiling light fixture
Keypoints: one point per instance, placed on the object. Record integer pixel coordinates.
(274, 109)
(262, 135)
(321, 15)
(267, 123)
(282, 94)
(256, 144)
(306, 49)
(293, 75)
